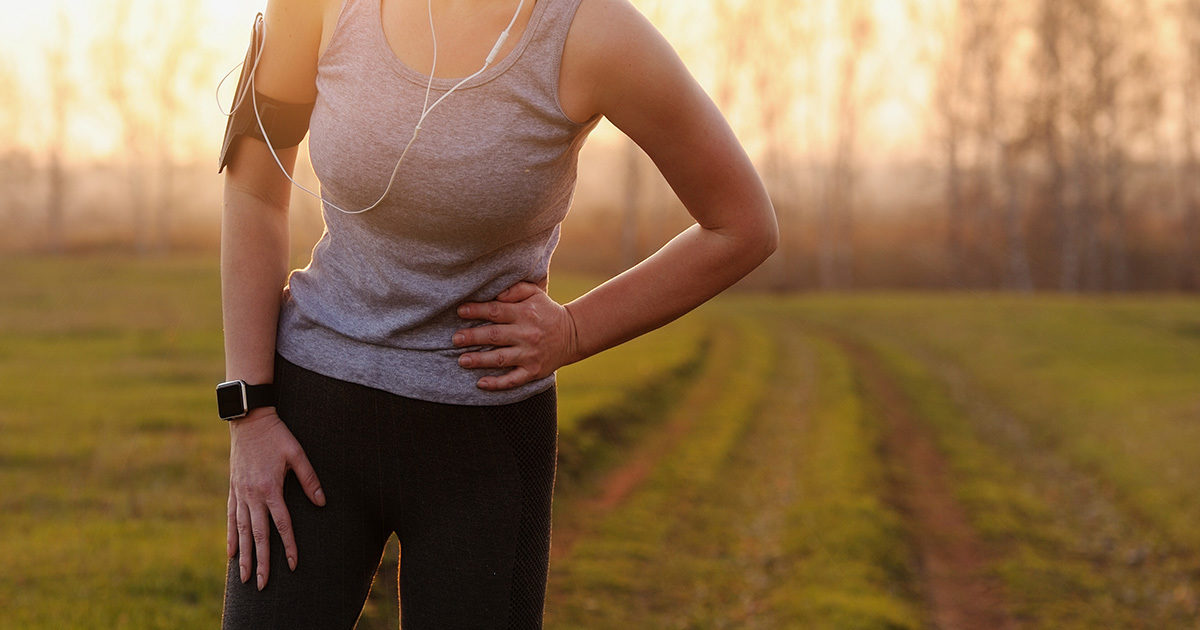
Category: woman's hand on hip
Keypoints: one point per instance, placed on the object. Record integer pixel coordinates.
(261, 451)
(529, 333)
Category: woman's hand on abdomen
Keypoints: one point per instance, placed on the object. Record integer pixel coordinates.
(531, 334)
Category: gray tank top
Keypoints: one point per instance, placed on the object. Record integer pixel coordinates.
(475, 208)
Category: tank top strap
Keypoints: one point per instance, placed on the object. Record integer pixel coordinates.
(542, 57)
(353, 26)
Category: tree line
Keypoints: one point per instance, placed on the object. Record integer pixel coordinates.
(1061, 134)
(1060, 138)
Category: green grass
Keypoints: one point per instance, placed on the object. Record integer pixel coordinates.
(1066, 422)
(111, 464)
(640, 569)
(852, 566)
(1112, 383)
(114, 469)
(1070, 425)
(603, 381)
(777, 505)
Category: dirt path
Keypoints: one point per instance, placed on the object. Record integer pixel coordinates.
(767, 460)
(960, 594)
(617, 484)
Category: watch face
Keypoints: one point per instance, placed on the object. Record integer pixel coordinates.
(231, 400)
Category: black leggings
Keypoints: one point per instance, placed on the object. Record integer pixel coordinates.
(466, 489)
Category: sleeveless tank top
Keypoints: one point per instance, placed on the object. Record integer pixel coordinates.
(476, 206)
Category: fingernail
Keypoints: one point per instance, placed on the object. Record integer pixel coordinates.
(245, 575)
(459, 338)
(292, 563)
(320, 495)
(464, 311)
(464, 361)
(260, 582)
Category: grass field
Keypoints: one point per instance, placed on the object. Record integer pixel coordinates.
(825, 461)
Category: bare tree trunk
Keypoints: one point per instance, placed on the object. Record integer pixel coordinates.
(1189, 172)
(836, 262)
(172, 63)
(1004, 173)
(1119, 251)
(1050, 33)
(949, 90)
(1018, 276)
(1126, 108)
(114, 60)
(954, 206)
(60, 95)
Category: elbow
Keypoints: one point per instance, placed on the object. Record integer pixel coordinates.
(770, 238)
(765, 236)
(754, 238)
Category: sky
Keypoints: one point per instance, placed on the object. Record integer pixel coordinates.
(30, 28)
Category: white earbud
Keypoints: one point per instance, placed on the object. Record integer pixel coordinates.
(425, 109)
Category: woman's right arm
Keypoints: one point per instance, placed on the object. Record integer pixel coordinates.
(254, 267)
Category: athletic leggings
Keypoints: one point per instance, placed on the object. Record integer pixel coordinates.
(466, 489)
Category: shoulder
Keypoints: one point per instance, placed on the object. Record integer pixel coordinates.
(610, 43)
(296, 32)
(297, 17)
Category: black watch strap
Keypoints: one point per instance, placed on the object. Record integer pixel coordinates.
(235, 399)
(260, 396)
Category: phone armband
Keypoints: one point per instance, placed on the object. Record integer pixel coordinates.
(285, 123)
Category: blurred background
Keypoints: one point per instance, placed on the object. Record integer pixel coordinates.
(964, 393)
(952, 143)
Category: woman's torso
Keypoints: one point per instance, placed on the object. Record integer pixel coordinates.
(475, 206)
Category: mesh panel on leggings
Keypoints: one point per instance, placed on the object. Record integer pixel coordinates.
(531, 428)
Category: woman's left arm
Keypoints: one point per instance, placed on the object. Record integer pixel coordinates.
(617, 64)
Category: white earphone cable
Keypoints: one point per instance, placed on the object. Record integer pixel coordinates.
(425, 109)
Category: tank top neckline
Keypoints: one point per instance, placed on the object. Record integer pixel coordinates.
(444, 83)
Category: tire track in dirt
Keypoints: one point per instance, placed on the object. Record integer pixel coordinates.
(1132, 564)
(960, 594)
(617, 484)
(766, 461)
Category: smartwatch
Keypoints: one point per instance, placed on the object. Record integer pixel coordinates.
(235, 399)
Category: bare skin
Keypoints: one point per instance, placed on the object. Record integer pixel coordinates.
(615, 64)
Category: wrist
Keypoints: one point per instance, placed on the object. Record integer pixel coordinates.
(255, 417)
(575, 350)
(237, 398)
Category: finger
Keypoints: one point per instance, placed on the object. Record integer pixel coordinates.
(307, 477)
(231, 534)
(498, 312)
(516, 376)
(283, 523)
(260, 527)
(245, 540)
(502, 357)
(519, 292)
(486, 335)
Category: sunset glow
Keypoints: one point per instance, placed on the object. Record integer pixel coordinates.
(220, 28)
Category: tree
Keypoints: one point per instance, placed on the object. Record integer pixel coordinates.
(115, 63)
(16, 162)
(949, 95)
(168, 54)
(181, 47)
(835, 261)
(61, 93)
(763, 42)
(1189, 171)
(994, 28)
(1049, 113)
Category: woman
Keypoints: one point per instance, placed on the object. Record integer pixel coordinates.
(413, 358)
